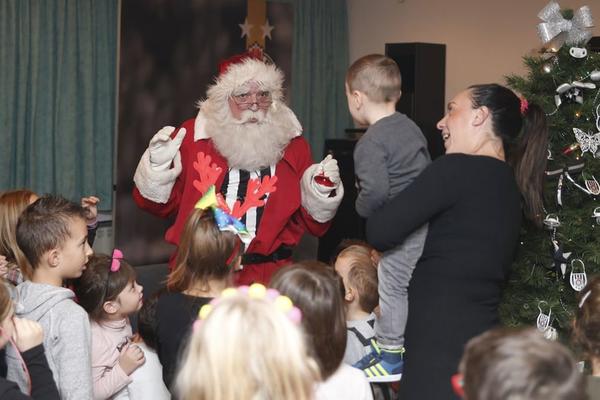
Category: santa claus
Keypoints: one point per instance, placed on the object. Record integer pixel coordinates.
(247, 143)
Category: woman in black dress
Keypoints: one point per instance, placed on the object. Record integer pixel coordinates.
(473, 198)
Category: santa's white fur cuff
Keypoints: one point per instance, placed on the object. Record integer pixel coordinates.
(320, 207)
(152, 184)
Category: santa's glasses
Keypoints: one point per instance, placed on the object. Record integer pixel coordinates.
(260, 97)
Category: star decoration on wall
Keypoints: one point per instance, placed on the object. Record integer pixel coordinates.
(266, 29)
(245, 28)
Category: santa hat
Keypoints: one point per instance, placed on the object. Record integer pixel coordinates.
(240, 69)
(238, 59)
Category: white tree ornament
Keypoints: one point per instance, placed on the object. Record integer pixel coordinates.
(586, 141)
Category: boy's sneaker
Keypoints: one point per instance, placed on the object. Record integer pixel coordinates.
(388, 367)
(369, 359)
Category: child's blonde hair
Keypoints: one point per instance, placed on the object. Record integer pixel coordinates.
(586, 326)
(363, 278)
(362, 275)
(204, 252)
(6, 303)
(359, 254)
(247, 349)
(377, 76)
(12, 204)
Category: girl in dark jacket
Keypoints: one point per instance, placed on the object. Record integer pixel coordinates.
(27, 336)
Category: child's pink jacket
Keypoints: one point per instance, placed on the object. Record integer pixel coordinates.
(108, 338)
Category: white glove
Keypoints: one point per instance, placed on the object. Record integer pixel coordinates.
(315, 197)
(156, 185)
(327, 168)
(163, 149)
(175, 171)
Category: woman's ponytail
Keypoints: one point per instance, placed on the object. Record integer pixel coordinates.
(524, 133)
(529, 162)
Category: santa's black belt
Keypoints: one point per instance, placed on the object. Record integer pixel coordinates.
(283, 252)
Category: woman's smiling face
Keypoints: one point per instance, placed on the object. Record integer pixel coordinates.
(457, 124)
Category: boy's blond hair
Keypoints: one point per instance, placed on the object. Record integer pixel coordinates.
(377, 76)
(362, 275)
(359, 253)
(247, 349)
(363, 278)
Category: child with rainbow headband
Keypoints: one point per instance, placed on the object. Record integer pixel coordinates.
(269, 360)
(208, 253)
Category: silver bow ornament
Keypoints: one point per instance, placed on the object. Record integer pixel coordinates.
(572, 91)
(555, 27)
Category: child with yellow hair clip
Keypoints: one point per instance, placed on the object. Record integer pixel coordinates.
(253, 335)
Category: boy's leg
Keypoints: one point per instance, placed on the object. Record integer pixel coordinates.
(394, 271)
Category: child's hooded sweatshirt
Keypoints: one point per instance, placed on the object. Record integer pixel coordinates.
(67, 340)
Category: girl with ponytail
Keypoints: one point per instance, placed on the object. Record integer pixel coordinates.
(206, 258)
(473, 198)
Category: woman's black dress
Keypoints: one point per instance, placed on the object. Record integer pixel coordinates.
(472, 204)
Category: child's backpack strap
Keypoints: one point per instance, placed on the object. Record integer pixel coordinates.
(361, 338)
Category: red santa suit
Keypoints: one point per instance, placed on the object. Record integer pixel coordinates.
(290, 210)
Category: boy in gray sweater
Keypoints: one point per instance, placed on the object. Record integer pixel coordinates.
(389, 156)
(52, 233)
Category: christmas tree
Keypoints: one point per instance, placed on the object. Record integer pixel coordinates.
(564, 79)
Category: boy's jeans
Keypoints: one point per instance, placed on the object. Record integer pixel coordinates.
(394, 271)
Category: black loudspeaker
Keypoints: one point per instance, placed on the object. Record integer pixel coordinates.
(346, 224)
(423, 69)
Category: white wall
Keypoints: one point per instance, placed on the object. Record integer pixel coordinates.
(484, 39)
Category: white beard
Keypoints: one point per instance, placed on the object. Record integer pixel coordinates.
(250, 145)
